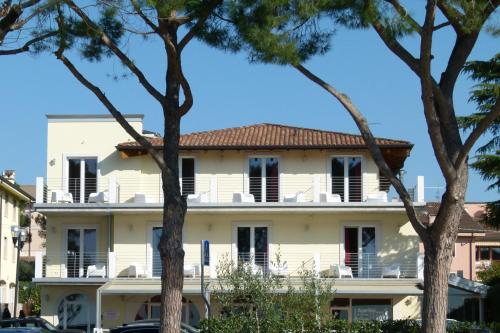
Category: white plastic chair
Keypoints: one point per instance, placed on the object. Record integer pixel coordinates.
(142, 198)
(297, 197)
(279, 270)
(59, 196)
(379, 196)
(329, 197)
(191, 271)
(97, 270)
(243, 197)
(100, 197)
(137, 270)
(391, 271)
(198, 198)
(341, 271)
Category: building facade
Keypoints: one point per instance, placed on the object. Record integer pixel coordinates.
(12, 199)
(314, 197)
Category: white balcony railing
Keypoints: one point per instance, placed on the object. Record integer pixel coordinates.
(148, 266)
(224, 189)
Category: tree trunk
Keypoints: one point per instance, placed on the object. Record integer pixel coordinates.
(439, 242)
(435, 305)
(174, 208)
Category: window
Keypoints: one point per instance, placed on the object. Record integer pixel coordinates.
(82, 178)
(263, 174)
(371, 309)
(252, 245)
(156, 260)
(6, 207)
(360, 251)
(150, 309)
(346, 178)
(488, 253)
(187, 170)
(340, 309)
(81, 251)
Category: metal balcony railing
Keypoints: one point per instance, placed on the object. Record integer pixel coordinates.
(288, 264)
(237, 188)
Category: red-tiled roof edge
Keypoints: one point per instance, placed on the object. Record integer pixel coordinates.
(390, 143)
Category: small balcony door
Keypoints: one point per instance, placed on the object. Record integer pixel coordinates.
(81, 251)
(347, 178)
(187, 170)
(252, 245)
(360, 251)
(82, 178)
(263, 173)
(155, 258)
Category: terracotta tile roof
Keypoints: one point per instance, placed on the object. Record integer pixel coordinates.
(268, 136)
(467, 222)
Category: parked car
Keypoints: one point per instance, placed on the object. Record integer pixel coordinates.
(149, 326)
(35, 322)
(24, 330)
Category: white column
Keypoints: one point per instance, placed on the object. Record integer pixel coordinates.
(112, 190)
(111, 265)
(420, 196)
(213, 189)
(420, 266)
(40, 189)
(38, 265)
(316, 188)
(98, 311)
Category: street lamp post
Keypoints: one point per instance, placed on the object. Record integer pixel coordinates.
(18, 237)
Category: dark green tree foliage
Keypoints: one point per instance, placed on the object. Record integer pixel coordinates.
(487, 160)
(491, 277)
(485, 94)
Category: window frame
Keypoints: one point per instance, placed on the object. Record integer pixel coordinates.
(346, 174)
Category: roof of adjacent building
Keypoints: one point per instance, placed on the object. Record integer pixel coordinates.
(15, 189)
(468, 223)
(268, 136)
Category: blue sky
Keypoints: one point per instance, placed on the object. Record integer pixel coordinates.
(228, 91)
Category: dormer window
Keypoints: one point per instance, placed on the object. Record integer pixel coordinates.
(346, 178)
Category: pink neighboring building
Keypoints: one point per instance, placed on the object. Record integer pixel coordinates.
(477, 245)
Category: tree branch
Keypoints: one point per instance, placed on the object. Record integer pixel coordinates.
(188, 95)
(404, 14)
(476, 133)
(441, 25)
(116, 50)
(146, 19)
(452, 15)
(428, 96)
(112, 109)
(198, 25)
(26, 46)
(372, 145)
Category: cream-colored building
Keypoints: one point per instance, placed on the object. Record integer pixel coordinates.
(315, 197)
(12, 199)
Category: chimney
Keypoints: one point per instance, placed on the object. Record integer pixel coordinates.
(10, 175)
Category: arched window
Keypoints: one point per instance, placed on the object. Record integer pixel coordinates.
(150, 309)
(74, 313)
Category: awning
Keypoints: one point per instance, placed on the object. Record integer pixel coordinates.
(143, 287)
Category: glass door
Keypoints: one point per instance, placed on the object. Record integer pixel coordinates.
(82, 178)
(156, 259)
(263, 176)
(346, 173)
(360, 251)
(81, 251)
(187, 176)
(252, 244)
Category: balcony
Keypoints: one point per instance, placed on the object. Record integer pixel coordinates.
(98, 267)
(224, 189)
